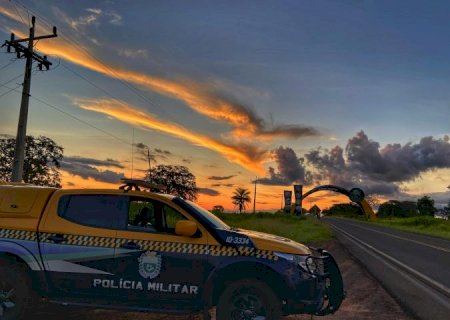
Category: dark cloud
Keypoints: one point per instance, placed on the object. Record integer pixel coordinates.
(394, 162)
(254, 152)
(378, 170)
(256, 125)
(145, 159)
(209, 192)
(441, 199)
(269, 195)
(145, 152)
(330, 165)
(221, 177)
(290, 169)
(290, 131)
(163, 152)
(229, 185)
(94, 162)
(85, 168)
(141, 145)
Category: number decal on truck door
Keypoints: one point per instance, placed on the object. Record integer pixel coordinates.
(237, 240)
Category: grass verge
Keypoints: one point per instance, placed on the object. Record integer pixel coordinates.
(304, 229)
(423, 225)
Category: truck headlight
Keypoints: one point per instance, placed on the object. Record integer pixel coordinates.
(312, 265)
(307, 263)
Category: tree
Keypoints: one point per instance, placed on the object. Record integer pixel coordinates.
(447, 209)
(425, 205)
(175, 180)
(241, 197)
(218, 208)
(344, 209)
(409, 208)
(41, 162)
(390, 208)
(395, 208)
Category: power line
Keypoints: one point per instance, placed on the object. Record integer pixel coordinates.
(75, 118)
(80, 120)
(10, 90)
(89, 81)
(17, 10)
(74, 41)
(130, 86)
(11, 80)
(8, 64)
(81, 47)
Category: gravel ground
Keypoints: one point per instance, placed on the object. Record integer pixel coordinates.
(366, 300)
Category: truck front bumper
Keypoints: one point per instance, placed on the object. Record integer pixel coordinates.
(327, 285)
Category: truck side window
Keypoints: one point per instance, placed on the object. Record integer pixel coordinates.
(103, 211)
(171, 217)
(141, 215)
(150, 215)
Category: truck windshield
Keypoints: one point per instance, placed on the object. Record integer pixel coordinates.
(212, 220)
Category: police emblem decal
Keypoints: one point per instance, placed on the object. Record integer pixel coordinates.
(149, 264)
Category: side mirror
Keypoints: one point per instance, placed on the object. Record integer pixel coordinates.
(186, 228)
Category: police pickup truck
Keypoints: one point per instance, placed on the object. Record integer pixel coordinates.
(142, 251)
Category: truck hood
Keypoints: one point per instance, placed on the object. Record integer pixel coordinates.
(270, 242)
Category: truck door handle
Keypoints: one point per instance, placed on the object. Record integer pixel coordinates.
(57, 238)
(130, 246)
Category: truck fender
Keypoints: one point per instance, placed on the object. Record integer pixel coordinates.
(242, 269)
(15, 249)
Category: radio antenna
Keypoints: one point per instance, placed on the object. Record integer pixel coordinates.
(132, 153)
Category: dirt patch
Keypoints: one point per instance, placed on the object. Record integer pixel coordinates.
(366, 300)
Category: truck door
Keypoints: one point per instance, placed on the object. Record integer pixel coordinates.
(77, 241)
(156, 268)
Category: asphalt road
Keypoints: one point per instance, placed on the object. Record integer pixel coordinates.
(415, 269)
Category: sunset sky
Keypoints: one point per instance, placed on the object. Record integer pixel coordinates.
(353, 93)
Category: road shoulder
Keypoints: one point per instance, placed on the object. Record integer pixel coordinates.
(366, 298)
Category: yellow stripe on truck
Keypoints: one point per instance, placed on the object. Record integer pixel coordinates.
(174, 247)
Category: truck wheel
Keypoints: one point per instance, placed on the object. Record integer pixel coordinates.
(16, 298)
(248, 300)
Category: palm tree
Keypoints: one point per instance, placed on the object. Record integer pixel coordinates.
(241, 197)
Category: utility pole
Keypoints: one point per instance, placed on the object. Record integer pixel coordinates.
(254, 198)
(30, 55)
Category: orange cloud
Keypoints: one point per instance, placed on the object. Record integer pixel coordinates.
(126, 113)
(10, 14)
(199, 97)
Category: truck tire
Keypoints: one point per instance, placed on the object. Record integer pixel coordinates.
(16, 297)
(248, 299)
